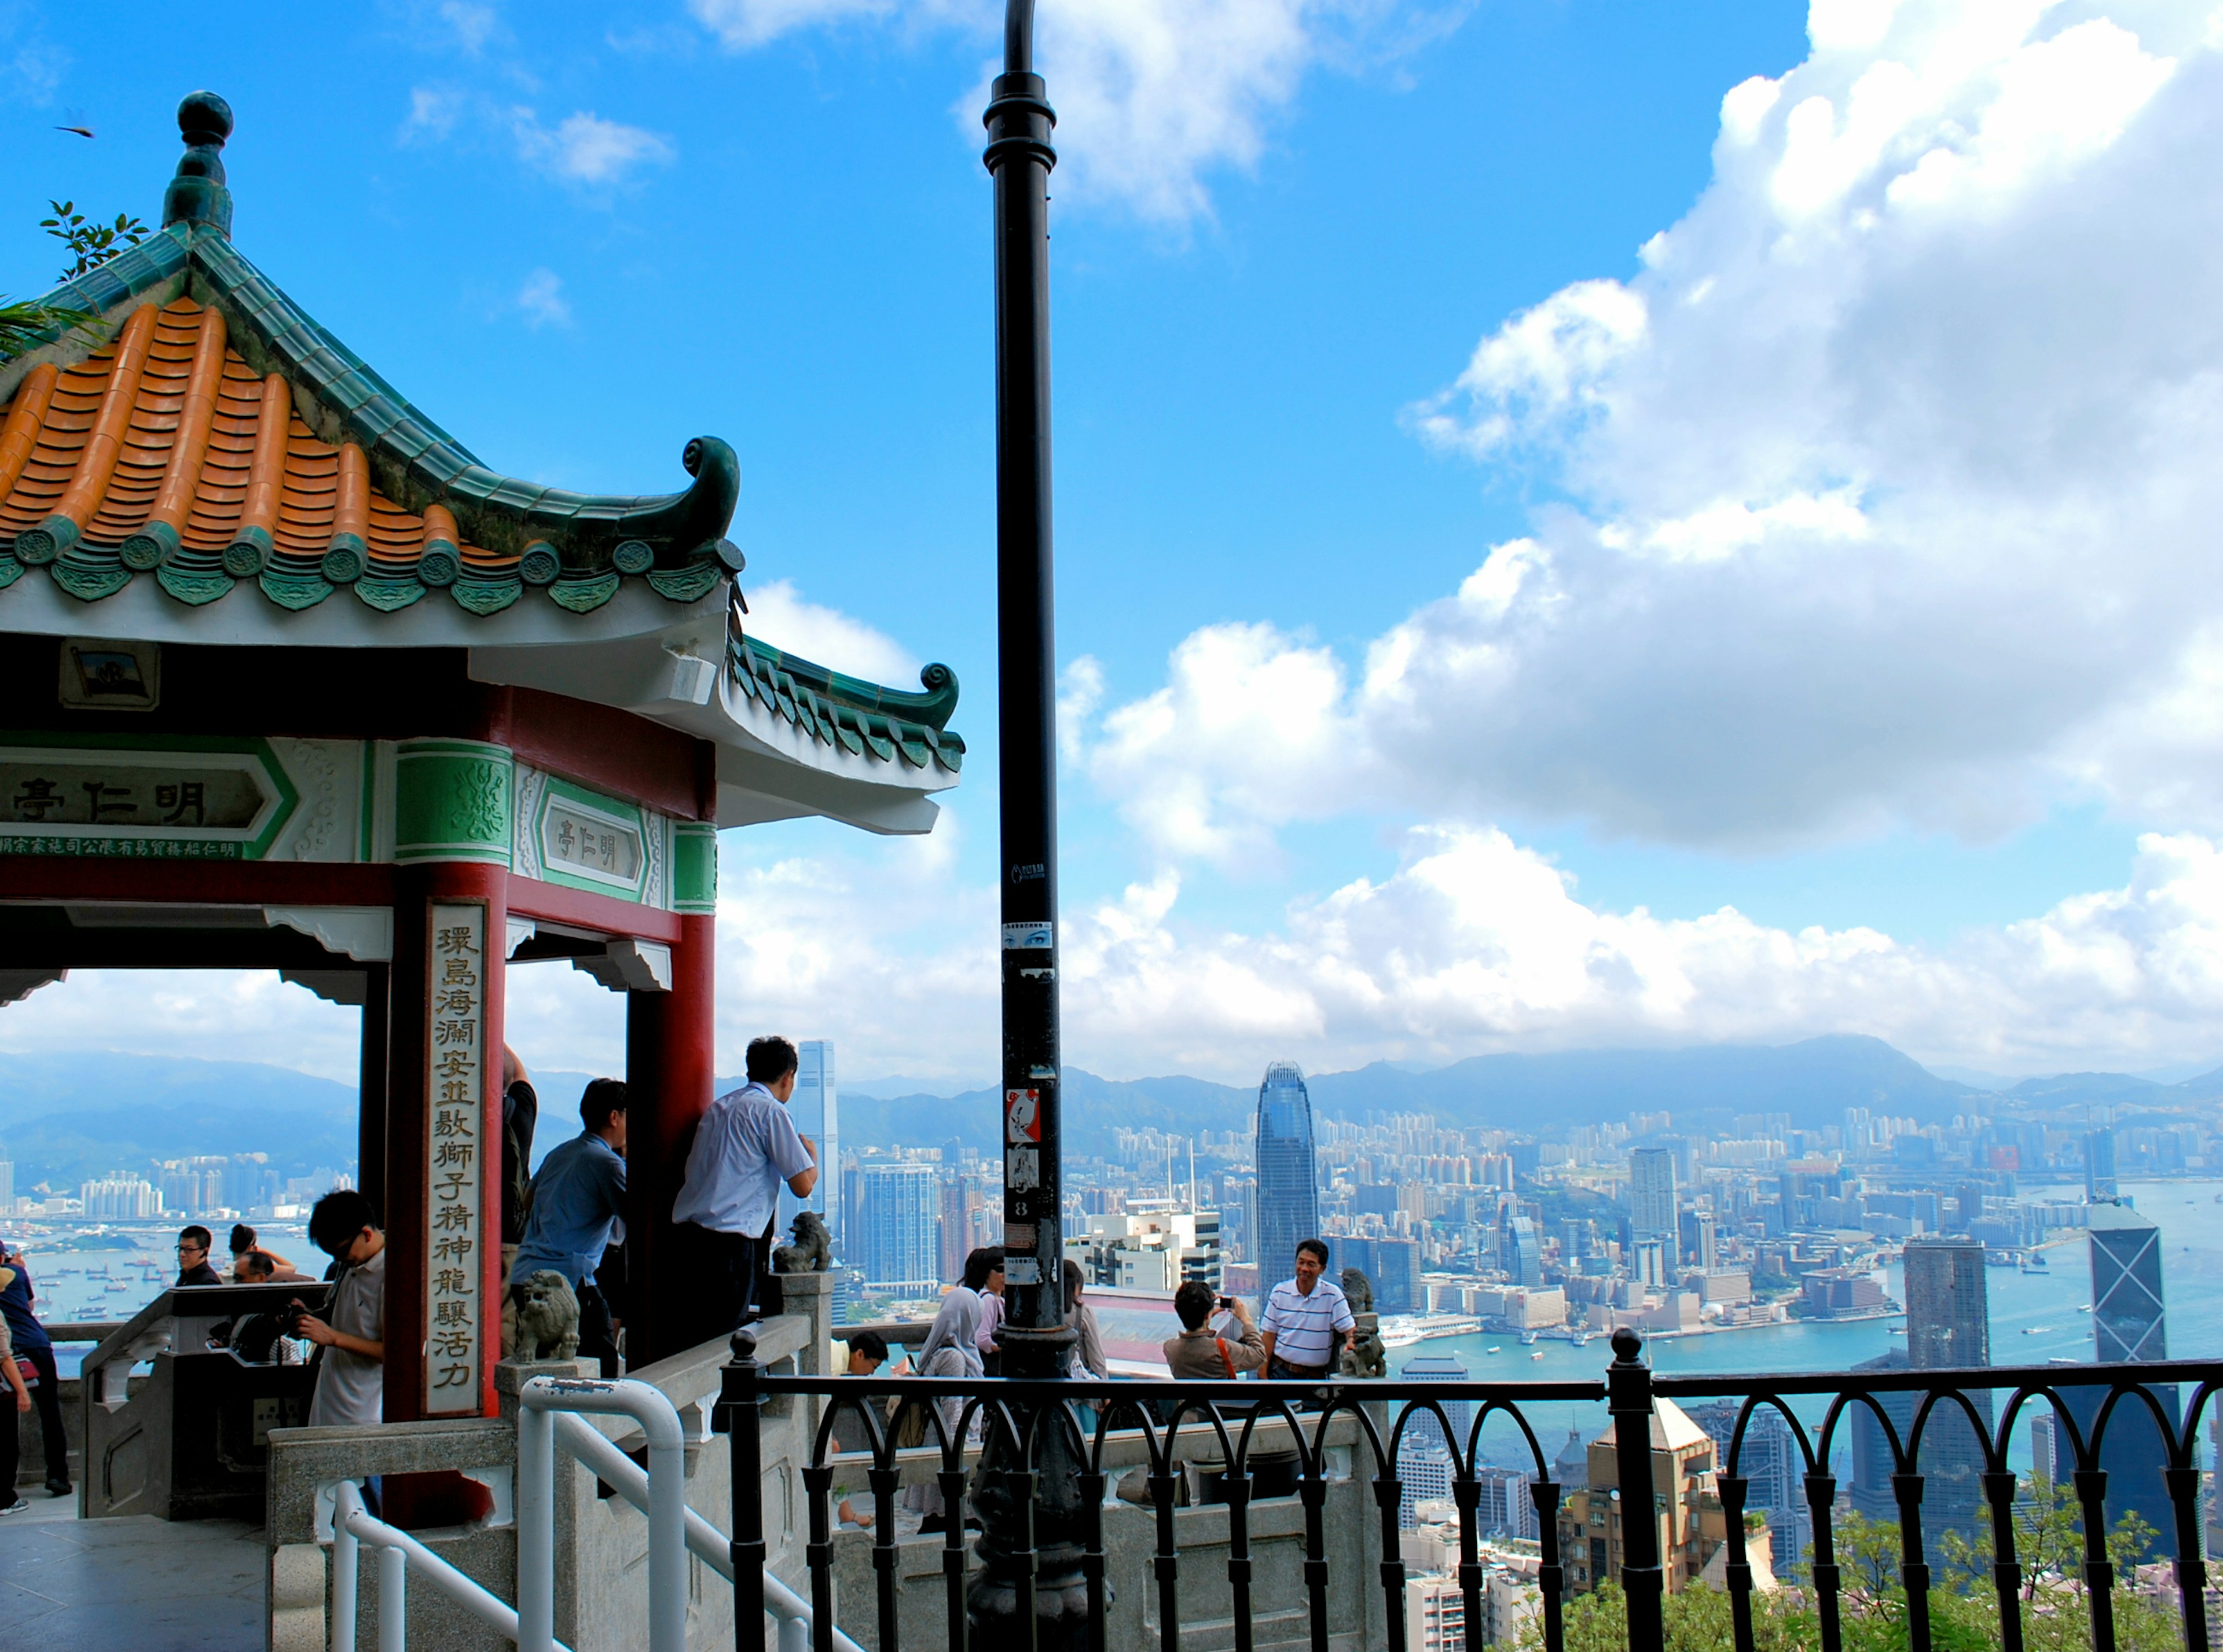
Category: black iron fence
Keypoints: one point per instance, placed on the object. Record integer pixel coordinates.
(1039, 1480)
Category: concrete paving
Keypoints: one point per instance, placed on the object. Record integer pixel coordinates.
(149, 1586)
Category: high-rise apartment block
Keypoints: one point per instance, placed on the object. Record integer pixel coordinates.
(899, 1205)
(1652, 1193)
(1288, 1182)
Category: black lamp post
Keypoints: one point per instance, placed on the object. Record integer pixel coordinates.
(1030, 1591)
(1019, 157)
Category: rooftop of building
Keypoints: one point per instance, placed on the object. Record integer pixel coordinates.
(187, 430)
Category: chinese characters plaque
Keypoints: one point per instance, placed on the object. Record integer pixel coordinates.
(455, 1100)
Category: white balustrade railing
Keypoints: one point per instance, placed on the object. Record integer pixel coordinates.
(549, 1410)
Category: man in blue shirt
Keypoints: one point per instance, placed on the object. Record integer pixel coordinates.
(578, 1211)
(745, 1146)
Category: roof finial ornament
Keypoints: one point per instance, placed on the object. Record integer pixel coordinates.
(197, 194)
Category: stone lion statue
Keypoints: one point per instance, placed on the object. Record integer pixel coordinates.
(1367, 1357)
(1358, 1290)
(813, 1250)
(548, 1318)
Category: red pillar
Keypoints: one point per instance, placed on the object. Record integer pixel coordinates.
(671, 1051)
(370, 1089)
(415, 1049)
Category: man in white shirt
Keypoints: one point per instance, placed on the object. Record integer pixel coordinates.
(351, 1378)
(1304, 1318)
(745, 1147)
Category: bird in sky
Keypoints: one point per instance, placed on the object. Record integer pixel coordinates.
(79, 125)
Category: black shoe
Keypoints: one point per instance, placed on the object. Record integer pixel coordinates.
(59, 1488)
(932, 1524)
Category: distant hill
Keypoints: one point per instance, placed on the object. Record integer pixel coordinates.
(1814, 1082)
(67, 1117)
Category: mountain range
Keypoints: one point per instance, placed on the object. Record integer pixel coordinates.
(65, 1118)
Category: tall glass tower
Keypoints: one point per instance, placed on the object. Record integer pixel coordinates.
(816, 1114)
(1288, 1184)
(2129, 1324)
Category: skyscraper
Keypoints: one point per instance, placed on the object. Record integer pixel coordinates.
(2128, 1323)
(815, 1112)
(2100, 1164)
(1948, 1324)
(1652, 1193)
(1288, 1183)
(1947, 1314)
(1520, 1252)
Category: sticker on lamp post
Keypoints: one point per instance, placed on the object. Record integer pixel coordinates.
(1022, 1116)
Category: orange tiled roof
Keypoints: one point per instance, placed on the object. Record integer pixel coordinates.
(221, 435)
(168, 447)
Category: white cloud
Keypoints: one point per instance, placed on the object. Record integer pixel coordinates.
(203, 1014)
(1473, 944)
(779, 615)
(541, 301)
(1151, 95)
(1888, 477)
(1251, 732)
(434, 113)
(584, 148)
(475, 25)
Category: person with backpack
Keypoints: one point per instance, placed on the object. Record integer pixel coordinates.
(1201, 1354)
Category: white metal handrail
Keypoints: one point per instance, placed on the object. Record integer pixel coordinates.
(666, 1502)
(354, 1525)
(547, 1416)
(789, 1609)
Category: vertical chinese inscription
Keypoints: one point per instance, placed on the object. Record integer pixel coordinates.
(455, 1094)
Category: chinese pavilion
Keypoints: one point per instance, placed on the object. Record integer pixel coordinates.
(292, 681)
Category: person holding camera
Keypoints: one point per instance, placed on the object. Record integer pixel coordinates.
(352, 1375)
(1201, 1354)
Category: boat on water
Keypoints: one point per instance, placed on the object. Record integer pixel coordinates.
(1538, 1355)
(1492, 1350)
(2036, 1330)
(1528, 1341)
(1403, 1337)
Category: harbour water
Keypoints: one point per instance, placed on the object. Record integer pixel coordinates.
(2035, 1318)
(112, 1271)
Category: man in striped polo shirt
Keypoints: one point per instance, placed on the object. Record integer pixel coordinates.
(1304, 1317)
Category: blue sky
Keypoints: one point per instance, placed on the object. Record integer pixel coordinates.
(1465, 610)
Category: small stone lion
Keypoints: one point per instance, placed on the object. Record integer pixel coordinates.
(548, 1318)
(1366, 1357)
(1358, 1290)
(813, 1250)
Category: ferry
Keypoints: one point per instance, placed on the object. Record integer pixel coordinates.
(2036, 1330)
(1492, 1350)
(1538, 1355)
(1528, 1341)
